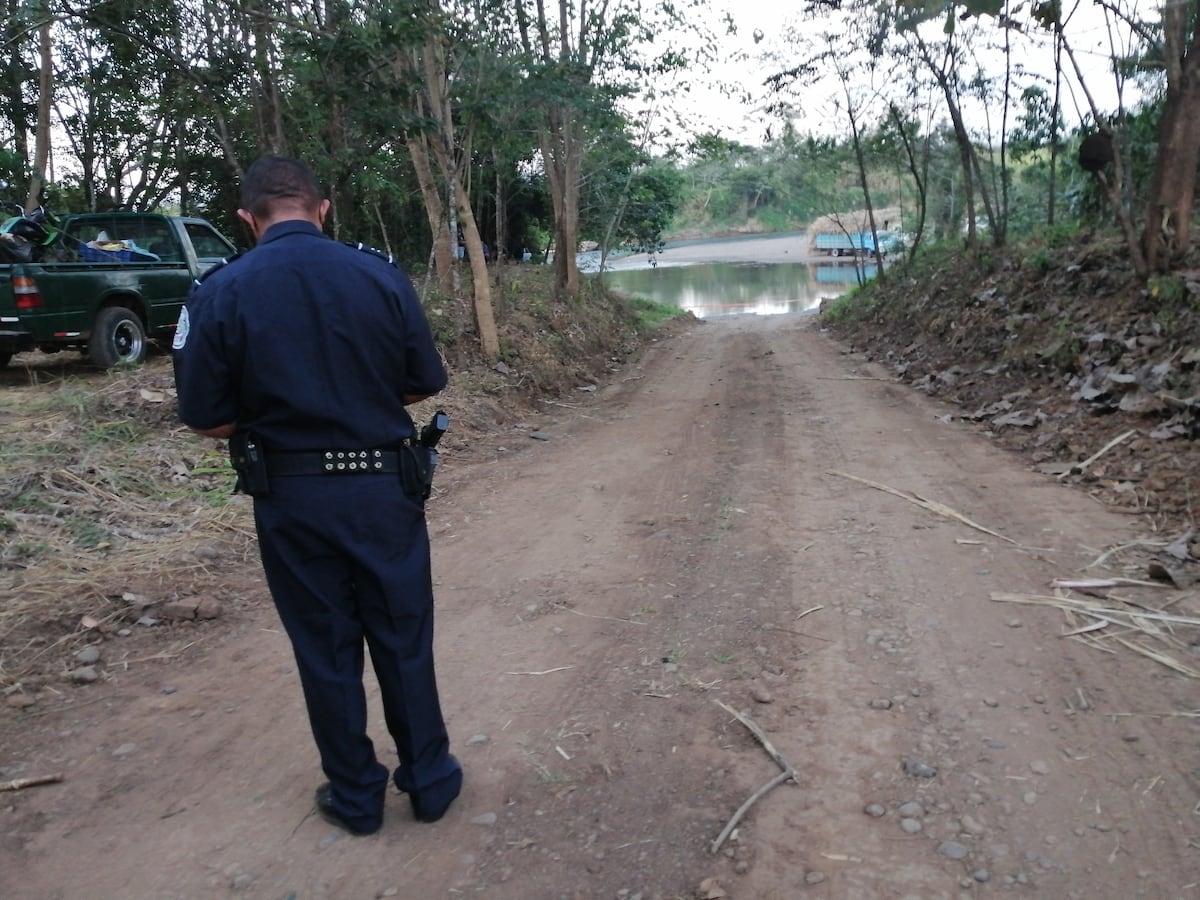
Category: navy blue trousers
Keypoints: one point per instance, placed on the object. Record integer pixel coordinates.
(347, 561)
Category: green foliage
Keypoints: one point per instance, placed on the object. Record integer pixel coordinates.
(1168, 291)
(646, 315)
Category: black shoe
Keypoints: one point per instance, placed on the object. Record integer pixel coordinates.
(325, 810)
(437, 797)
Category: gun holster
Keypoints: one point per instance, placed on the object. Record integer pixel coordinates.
(250, 463)
(417, 463)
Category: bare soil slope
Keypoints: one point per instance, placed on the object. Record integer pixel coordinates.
(748, 518)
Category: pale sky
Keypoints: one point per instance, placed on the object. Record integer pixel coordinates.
(748, 123)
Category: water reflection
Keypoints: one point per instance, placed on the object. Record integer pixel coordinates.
(709, 290)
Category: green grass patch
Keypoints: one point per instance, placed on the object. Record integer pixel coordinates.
(650, 314)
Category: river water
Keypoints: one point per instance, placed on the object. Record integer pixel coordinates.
(758, 275)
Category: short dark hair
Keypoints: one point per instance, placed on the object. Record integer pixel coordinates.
(273, 179)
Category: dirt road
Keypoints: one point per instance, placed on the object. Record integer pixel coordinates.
(684, 536)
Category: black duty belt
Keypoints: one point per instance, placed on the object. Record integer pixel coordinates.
(333, 462)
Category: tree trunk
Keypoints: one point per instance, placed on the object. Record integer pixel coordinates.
(562, 153)
(41, 143)
(485, 320)
(1167, 235)
(435, 212)
(434, 100)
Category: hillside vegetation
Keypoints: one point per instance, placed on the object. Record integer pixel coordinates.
(1055, 349)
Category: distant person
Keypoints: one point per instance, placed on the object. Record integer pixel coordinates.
(304, 352)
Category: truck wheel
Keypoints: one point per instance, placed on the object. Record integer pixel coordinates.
(118, 338)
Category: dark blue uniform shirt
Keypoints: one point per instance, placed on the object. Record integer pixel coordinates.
(306, 342)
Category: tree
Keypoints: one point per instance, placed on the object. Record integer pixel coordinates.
(580, 60)
(1167, 235)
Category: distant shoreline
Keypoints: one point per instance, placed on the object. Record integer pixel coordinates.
(785, 247)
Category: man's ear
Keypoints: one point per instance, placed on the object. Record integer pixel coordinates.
(248, 217)
(323, 211)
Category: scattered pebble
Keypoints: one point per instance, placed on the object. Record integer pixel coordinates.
(242, 882)
(881, 703)
(875, 810)
(910, 826)
(169, 689)
(539, 436)
(761, 694)
(487, 819)
(1039, 768)
(84, 675)
(814, 877)
(983, 876)
(88, 655)
(476, 739)
(918, 769)
(21, 701)
(991, 701)
(124, 750)
(206, 551)
(971, 826)
(1030, 798)
(952, 850)
(910, 810)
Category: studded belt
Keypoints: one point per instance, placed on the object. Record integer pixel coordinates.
(333, 462)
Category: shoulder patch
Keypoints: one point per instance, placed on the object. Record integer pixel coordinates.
(222, 264)
(386, 257)
(181, 330)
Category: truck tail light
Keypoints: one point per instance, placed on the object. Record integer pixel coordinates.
(26, 293)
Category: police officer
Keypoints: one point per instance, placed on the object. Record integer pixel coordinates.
(304, 352)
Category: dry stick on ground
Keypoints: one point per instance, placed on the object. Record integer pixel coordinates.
(787, 774)
(1083, 466)
(931, 505)
(20, 783)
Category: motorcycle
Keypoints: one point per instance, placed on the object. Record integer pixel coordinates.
(25, 235)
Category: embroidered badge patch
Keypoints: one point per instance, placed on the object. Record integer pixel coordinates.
(181, 330)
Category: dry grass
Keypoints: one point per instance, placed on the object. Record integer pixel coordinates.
(1155, 630)
(105, 498)
(109, 507)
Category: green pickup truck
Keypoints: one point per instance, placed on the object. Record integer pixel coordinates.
(108, 284)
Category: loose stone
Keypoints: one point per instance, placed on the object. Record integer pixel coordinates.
(761, 694)
(84, 675)
(971, 826)
(1039, 768)
(814, 877)
(88, 655)
(487, 819)
(919, 769)
(910, 810)
(952, 850)
(910, 826)
(982, 876)
(874, 810)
